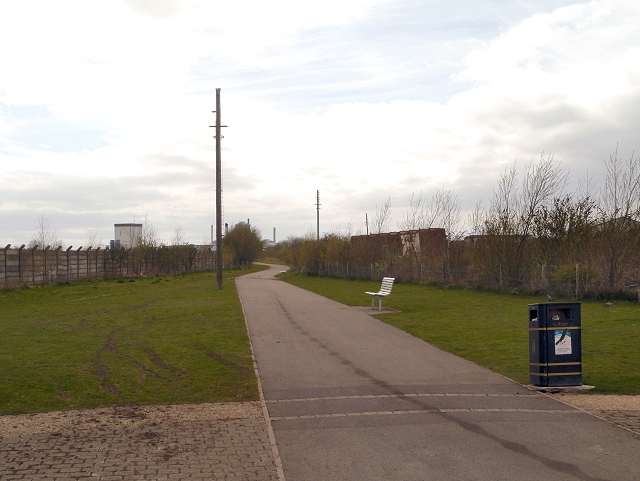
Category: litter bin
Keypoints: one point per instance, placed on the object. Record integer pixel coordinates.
(555, 344)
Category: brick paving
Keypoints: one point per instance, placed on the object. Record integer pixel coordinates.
(629, 420)
(145, 444)
(199, 442)
(158, 443)
(621, 410)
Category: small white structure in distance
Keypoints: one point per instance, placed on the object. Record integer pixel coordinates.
(126, 234)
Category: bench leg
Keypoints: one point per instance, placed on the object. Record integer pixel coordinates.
(379, 303)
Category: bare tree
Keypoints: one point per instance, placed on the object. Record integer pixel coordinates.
(449, 213)
(476, 219)
(413, 219)
(441, 210)
(510, 220)
(44, 234)
(542, 182)
(93, 240)
(563, 230)
(619, 209)
(178, 238)
(148, 236)
(587, 188)
(382, 218)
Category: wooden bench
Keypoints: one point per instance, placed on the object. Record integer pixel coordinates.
(385, 290)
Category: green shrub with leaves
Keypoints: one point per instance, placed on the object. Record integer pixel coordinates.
(244, 243)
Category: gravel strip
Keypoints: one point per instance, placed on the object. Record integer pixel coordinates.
(601, 402)
(129, 416)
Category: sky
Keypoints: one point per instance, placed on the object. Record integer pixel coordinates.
(106, 108)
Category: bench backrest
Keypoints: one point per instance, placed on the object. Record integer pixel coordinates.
(387, 284)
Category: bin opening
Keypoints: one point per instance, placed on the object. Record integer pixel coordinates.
(561, 314)
(533, 315)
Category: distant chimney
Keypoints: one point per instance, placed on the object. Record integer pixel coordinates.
(274, 235)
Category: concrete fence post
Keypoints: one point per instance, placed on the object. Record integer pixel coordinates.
(20, 262)
(68, 263)
(58, 262)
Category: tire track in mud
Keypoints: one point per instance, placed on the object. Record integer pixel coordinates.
(214, 356)
(103, 372)
(114, 349)
(156, 360)
(139, 306)
(162, 371)
(154, 357)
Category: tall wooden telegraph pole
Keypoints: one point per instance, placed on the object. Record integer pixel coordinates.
(218, 137)
(318, 212)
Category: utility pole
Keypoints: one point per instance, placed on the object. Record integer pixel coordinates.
(218, 137)
(318, 212)
(366, 221)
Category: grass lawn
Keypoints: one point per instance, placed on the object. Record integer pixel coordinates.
(492, 329)
(155, 340)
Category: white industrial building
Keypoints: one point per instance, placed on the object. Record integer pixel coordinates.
(126, 235)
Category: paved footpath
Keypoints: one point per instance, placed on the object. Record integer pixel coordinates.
(352, 398)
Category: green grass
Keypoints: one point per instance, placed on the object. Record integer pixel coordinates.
(273, 260)
(491, 329)
(155, 340)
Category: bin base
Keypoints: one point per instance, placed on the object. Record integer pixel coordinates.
(557, 389)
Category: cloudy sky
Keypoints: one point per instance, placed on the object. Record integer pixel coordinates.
(105, 107)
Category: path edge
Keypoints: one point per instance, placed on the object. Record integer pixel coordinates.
(265, 410)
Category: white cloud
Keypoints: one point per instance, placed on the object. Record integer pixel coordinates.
(361, 100)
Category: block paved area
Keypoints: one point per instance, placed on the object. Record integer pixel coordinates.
(205, 441)
(621, 410)
(629, 420)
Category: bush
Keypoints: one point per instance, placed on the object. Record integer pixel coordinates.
(244, 243)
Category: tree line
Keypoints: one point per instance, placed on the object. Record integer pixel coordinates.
(533, 237)
(241, 245)
(148, 254)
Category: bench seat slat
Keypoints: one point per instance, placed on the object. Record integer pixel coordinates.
(385, 290)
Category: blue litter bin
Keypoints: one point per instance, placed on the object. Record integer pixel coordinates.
(555, 344)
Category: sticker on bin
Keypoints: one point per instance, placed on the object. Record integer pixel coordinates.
(562, 341)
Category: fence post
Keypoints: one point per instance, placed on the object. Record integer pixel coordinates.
(5, 266)
(58, 249)
(33, 265)
(20, 263)
(78, 262)
(67, 251)
(45, 273)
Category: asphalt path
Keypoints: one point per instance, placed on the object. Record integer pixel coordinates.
(352, 398)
